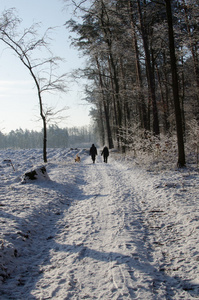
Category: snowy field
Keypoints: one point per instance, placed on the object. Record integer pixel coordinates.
(97, 231)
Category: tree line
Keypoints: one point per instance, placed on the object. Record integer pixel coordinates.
(143, 67)
(57, 138)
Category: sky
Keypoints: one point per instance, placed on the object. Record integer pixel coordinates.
(18, 96)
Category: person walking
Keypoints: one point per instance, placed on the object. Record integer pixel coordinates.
(105, 153)
(93, 152)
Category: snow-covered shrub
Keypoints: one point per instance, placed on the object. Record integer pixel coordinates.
(38, 173)
(192, 145)
(146, 149)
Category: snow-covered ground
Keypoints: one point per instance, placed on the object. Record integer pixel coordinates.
(97, 231)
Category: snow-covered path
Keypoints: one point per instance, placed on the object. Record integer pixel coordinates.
(99, 254)
(89, 234)
(100, 249)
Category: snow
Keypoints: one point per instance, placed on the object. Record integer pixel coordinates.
(96, 231)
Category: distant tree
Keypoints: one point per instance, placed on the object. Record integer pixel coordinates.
(42, 70)
(57, 137)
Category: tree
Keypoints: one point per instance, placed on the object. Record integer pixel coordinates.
(42, 70)
(150, 73)
(144, 63)
(175, 86)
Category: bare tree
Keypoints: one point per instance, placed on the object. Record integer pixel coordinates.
(42, 70)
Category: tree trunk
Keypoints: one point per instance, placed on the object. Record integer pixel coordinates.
(164, 103)
(44, 140)
(178, 115)
(141, 104)
(112, 69)
(101, 124)
(150, 74)
(108, 127)
(43, 119)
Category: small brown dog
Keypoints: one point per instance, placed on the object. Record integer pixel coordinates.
(77, 158)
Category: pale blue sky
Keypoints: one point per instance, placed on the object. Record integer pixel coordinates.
(18, 98)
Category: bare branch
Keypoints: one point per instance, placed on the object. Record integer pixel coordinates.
(42, 70)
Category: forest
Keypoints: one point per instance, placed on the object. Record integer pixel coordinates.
(143, 71)
(57, 138)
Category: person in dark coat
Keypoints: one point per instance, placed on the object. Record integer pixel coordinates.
(93, 152)
(105, 154)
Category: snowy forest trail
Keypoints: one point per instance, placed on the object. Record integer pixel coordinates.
(99, 231)
(105, 249)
